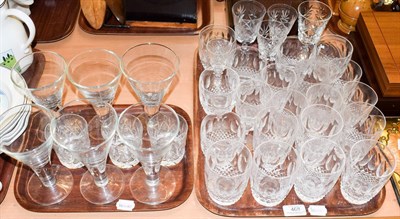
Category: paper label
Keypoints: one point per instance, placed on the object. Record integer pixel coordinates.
(317, 210)
(294, 210)
(125, 205)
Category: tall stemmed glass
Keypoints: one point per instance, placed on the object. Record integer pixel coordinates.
(150, 69)
(102, 183)
(51, 183)
(47, 69)
(150, 135)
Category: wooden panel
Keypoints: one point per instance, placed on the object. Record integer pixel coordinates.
(381, 37)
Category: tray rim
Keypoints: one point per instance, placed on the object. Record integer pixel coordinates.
(214, 208)
(204, 8)
(186, 190)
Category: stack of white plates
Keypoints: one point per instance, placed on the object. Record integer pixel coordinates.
(14, 123)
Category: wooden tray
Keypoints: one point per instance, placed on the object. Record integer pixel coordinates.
(247, 206)
(54, 19)
(7, 165)
(75, 202)
(204, 17)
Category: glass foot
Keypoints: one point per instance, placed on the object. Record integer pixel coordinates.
(152, 195)
(51, 195)
(107, 193)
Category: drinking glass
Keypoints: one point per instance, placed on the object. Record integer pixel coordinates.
(283, 13)
(51, 183)
(362, 121)
(96, 74)
(353, 72)
(248, 63)
(252, 98)
(275, 165)
(227, 175)
(296, 55)
(319, 120)
(48, 71)
(334, 53)
(102, 183)
(216, 42)
(270, 36)
(370, 166)
(150, 69)
(325, 94)
(218, 92)
(247, 18)
(214, 128)
(321, 163)
(70, 131)
(291, 100)
(275, 124)
(150, 137)
(279, 77)
(313, 17)
(177, 150)
(356, 91)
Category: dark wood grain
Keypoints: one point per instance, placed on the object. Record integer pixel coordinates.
(247, 206)
(7, 165)
(112, 26)
(183, 172)
(54, 19)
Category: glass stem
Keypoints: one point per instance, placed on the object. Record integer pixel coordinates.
(152, 176)
(151, 110)
(99, 177)
(46, 175)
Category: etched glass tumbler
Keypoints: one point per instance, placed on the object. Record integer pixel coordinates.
(247, 18)
(96, 74)
(353, 72)
(325, 94)
(279, 77)
(48, 70)
(50, 183)
(283, 13)
(216, 46)
(248, 63)
(177, 150)
(275, 165)
(370, 166)
(356, 91)
(217, 92)
(227, 175)
(313, 17)
(270, 36)
(150, 184)
(321, 163)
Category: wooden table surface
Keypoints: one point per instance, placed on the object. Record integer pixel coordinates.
(181, 95)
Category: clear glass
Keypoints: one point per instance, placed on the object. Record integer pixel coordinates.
(279, 77)
(216, 46)
(218, 92)
(121, 155)
(275, 124)
(48, 69)
(321, 163)
(150, 69)
(252, 97)
(227, 174)
(353, 72)
(370, 167)
(283, 13)
(325, 94)
(151, 184)
(291, 100)
(102, 183)
(178, 145)
(69, 132)
(214, 128)
(275, 165)
(247, 18)
(50, 184)
(248, 63)
(355, 91)
(313, 17)
(270, 36)
(96, 74)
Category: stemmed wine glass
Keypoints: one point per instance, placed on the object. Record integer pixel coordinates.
(150, 137)
(51, 183)
(150, 69)
(102, 183)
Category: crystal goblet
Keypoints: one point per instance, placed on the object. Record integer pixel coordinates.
(150, 137)
(51, 183)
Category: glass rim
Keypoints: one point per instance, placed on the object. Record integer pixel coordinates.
(14, 72)
(258, 4)
(300, 14)
(281, 5)
(175, 63)
(105, 51)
